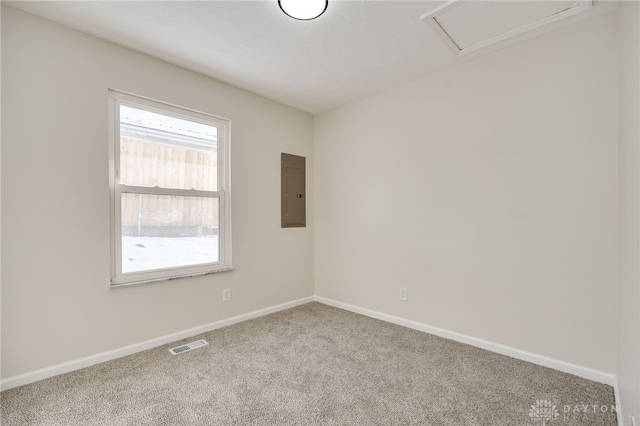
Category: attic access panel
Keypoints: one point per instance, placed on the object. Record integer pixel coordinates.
(468, 26)
(292, 193)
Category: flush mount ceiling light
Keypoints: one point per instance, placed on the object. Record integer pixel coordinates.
(303, 10)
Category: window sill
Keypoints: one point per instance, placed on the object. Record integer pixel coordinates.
(153, 280)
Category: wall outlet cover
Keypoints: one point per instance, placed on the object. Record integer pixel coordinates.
(403, 294)
(226, 295)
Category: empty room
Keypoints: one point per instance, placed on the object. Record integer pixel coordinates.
(320, 212)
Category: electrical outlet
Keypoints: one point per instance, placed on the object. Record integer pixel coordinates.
(226, 295)
(403, 294)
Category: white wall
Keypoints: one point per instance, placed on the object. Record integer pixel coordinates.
(57, 305)
(0, 193)
(489, 190)
(628, 347)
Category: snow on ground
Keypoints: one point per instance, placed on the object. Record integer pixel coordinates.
(145, 253)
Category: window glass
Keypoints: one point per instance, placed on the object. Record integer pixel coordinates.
(158, 150)
(160, 231)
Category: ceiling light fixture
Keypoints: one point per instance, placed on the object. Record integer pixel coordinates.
(303, 10)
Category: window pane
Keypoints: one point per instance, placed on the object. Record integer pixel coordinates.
(159, 150)
(161, 231)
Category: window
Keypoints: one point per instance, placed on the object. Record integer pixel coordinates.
(170, 191)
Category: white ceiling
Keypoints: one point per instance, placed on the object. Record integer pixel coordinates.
(355, 49)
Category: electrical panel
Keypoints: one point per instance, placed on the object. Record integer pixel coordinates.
(293, 192)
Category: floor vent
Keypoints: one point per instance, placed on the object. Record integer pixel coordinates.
(188, 347)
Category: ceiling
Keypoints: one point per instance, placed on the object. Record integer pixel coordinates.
(355, 49)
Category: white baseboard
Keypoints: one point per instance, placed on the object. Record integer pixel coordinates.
(578, 370)
(45, 373)
(618, 406)
(567, 367)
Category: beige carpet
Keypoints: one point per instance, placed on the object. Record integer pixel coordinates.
(313, 365)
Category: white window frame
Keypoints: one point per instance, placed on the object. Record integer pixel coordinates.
(223, 194)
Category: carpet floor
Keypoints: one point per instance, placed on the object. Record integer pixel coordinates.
(313, 365)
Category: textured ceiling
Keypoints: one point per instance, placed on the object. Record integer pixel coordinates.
(355, 49)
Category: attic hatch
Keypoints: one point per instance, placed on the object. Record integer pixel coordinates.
(468, 26)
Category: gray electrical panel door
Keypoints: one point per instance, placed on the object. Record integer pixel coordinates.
(293, 193)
